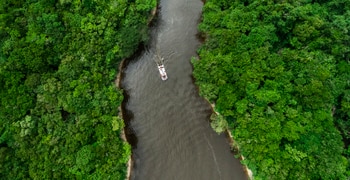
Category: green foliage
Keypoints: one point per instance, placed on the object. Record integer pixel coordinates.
(59, 105)
(218, 123)
(279, 74)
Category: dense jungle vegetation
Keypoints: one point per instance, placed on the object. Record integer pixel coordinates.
(59, 104)
(278, 73)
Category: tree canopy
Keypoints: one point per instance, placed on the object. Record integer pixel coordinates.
(59, 104)
(279, 73)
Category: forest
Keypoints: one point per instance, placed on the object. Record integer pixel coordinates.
(59, 104)
(278, 73)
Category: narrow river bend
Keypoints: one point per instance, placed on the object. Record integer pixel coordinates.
(174, 140)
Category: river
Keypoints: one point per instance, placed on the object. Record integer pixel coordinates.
(167, 121)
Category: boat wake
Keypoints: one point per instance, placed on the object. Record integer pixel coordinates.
(159, 60)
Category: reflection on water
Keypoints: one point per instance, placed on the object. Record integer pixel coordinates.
(168, 118)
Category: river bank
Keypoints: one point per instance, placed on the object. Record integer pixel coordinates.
(235, 147)
(121, 114)
(122, 134)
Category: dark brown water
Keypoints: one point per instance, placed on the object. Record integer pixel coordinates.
(168, 118)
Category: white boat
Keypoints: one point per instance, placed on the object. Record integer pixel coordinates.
(162, 72)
